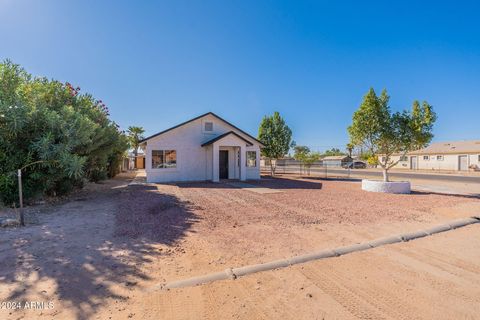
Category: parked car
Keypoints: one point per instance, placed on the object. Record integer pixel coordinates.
(357, 165)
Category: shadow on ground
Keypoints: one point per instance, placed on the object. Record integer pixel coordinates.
(332, 179)
(265, 182)
(466, 196)
(83, 248)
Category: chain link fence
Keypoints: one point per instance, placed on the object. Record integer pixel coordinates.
(323, 169)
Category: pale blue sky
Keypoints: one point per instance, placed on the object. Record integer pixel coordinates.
(158, 63)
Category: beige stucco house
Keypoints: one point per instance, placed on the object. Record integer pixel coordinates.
(450, 156)
(204, 148)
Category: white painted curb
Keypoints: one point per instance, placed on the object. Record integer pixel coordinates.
(400, 187)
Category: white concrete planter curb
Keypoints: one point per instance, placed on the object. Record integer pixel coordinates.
(386, 187)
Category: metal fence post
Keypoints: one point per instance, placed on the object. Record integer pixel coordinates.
(20, 197)
(20, 193)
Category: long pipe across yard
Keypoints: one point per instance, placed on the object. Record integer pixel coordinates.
(282, 263)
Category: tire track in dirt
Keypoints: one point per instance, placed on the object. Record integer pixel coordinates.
(409, 273)
(415, 270)
(348, 298)
(249, 303)
(455, 267)
(392, 306)
(452, 261)
(247, 287)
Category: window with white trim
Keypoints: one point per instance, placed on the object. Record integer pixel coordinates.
(404, 158)
(439, 158)
(426, 158)
(251, 158)
(163, 159)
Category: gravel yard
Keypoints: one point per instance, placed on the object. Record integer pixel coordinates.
(96, 255)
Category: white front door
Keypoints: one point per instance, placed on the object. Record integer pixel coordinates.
(463, 163)
(413, 163)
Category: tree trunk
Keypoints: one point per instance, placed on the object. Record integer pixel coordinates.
(135, 153)
(272, 172)
(385, 175)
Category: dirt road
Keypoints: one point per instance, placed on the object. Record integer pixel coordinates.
(96, 255)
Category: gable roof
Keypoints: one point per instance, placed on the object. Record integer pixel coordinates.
(471, 146)
(196, 118)
(223, 136)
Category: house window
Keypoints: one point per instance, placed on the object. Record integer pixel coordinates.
(208, 126)
(251, 158)
(162, 159)
(403, 158)
(440, 158)
(383, 159)
(479, 158)
(426, 158)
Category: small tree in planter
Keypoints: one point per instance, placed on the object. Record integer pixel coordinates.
(276, 137)
(385, 133)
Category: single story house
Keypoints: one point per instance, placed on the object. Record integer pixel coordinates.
(448, 156)
(336, 161)
(204, 148)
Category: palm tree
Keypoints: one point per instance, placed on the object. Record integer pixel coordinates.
(350, 147)
(135, 135)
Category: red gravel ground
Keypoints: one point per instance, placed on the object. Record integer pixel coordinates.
(260, 226)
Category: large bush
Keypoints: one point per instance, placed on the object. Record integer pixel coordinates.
(67, 136)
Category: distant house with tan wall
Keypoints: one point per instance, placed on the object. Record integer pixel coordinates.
(448, 156)
(336, 161)
(140, 160)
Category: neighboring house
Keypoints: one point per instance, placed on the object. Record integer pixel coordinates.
(124, 164)
(336, 161)
(140, 160)
(450, 156)
(204, 148)
(129, 161)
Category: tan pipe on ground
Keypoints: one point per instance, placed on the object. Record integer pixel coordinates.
(277, 264)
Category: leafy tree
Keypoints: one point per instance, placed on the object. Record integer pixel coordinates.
(300, 150)
(66, 136)
(384, 133)
(299, 153)
(333, 152)
(369, 158)
(308, 159)
(135, 135)
(276, 137)
(350, 148)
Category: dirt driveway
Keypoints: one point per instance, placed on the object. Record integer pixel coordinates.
(96, 255)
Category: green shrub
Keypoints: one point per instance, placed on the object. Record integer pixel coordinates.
(67, 135)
